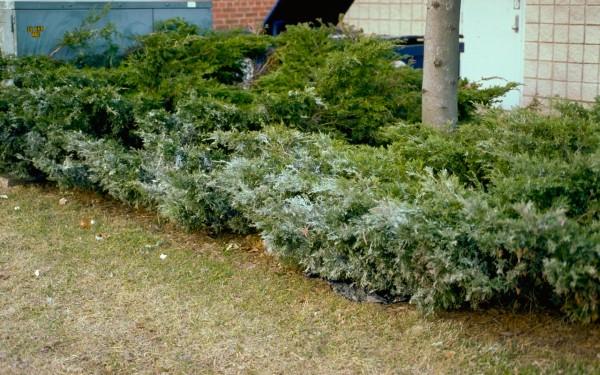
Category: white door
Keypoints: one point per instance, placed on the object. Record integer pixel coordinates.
(494, 43)
(7, 28)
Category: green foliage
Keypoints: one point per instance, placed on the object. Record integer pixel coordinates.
(92, 43)
(319, 152)
(4, 62)
(473, 94)
(363, 91)
(180, 162)
(300, 53)
(168, 63)
(112, 168)
(393, 228)
(347, 85)
(36, 114)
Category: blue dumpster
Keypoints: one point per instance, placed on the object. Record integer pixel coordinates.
(411, 48)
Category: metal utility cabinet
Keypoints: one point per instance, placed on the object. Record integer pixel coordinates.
(36, 27)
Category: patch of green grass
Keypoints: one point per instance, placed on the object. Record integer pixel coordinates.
(213, 306)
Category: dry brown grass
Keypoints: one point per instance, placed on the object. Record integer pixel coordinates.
(221, 306)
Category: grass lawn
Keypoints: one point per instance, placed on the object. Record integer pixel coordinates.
(75, 299)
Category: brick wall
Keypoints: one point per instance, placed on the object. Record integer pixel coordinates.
(245, 14)
(388, 17)
(562, 49)
(391, 17)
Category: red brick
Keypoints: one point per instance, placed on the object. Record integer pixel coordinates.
(248, 14)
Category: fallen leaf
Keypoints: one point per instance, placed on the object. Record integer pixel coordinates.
(85, 223)
(449, 354)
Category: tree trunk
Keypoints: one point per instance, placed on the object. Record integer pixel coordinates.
(441, 65)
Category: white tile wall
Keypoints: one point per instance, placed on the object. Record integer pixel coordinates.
(388, 17)
(565, 33)
(562, 41)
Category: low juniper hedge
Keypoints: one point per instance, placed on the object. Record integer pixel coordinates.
(322, 154)
(372, 217)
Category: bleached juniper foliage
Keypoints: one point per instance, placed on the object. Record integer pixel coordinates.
(323, 156)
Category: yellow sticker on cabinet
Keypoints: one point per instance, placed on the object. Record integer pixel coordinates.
(35, 31)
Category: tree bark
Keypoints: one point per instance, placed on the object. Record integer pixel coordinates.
(441, 65)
